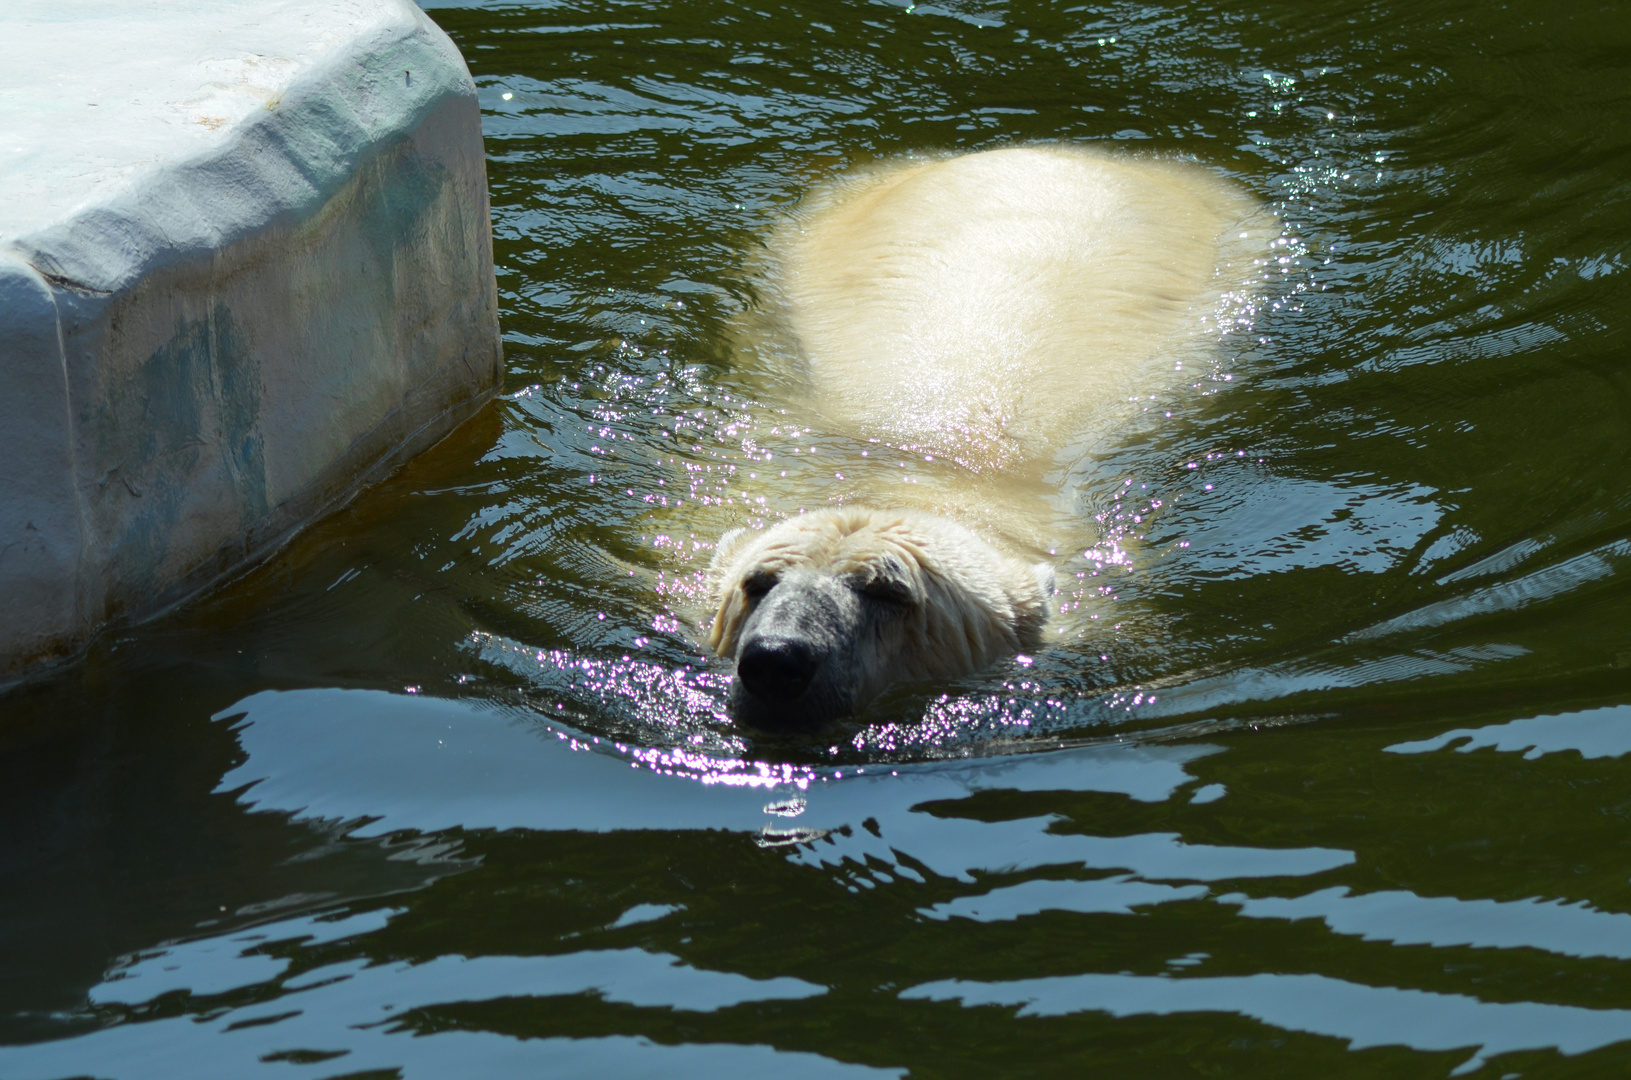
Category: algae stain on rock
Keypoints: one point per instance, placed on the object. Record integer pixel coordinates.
(243, 447)
(183, 451)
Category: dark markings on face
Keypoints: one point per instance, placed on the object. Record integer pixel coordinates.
(816, 646)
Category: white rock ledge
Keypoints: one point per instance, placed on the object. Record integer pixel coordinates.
(245, 268)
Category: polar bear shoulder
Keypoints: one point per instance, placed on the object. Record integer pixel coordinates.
(981, 306)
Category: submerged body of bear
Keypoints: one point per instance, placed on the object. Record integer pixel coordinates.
(981, 312)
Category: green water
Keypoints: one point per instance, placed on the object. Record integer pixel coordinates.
(443, 790)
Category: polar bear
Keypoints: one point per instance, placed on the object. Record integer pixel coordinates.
(980, 312)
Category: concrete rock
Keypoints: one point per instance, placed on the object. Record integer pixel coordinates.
(245, 268)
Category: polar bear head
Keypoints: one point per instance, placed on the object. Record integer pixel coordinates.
(824, 610)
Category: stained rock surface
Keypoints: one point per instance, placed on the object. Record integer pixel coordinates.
(245, 268)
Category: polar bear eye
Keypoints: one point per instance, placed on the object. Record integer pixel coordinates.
(888, 590)
(756, 584)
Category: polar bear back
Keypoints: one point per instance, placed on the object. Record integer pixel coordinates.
(981, 307)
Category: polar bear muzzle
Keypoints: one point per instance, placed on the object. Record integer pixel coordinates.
(796, 662)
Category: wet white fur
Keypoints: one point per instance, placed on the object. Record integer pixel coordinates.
(982, 308)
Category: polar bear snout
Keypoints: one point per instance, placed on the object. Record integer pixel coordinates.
(793, 654)
(777, 667)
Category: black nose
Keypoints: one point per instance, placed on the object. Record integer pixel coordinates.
(775, 667)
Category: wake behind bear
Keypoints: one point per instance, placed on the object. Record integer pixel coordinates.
(984, 312)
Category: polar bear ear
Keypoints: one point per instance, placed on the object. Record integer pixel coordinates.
(727, 622)
(726, 598)
(1044, 578)
(726, 547)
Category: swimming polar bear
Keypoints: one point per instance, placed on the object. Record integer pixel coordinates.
(981, 311)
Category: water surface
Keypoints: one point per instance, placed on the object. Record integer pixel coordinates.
(1333, 784)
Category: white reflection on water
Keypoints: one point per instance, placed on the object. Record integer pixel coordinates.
(1364, 1016)
(1303, 676)
(179, 1049)
(958, 847)
(388, 763)
(1117, 895)
(643, 913)
(346, 1013)
(645, 699)
(218, 965)
(1545, 584)
(415, 762)
(1275, 525)
(1403, 918)
(1594, 733)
